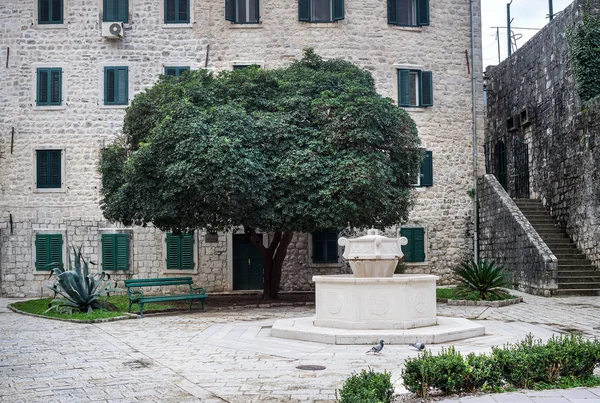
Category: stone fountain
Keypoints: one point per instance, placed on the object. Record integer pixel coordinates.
(373, 303)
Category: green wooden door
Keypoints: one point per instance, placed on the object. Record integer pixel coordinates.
(247, 265)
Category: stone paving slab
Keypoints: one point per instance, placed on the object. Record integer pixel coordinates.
(229, 356)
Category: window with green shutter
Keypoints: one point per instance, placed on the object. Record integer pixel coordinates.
(414, 251)
(48, 169)
(242, 11)
(408, 13)
(180, 251)
(415, 88)
(325, 246)
(177, 11)
(115, 10)
(115, 251)
(426, 171)
(176, 71)
(320, 10)
(48, 251)
(49, 87)
(116, 85)
(50, 11)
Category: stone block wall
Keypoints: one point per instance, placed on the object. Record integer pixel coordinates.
(82, 125)
(561, 132)
(507, 237)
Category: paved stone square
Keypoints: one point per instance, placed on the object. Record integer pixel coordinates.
(229, 356)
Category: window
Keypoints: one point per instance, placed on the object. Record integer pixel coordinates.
(50, 11)
(115, 251)
(48, 250)
(115, 10)
(325, 246)
(49, 87)
(177, 11)
(426, 171)
(48, 169)
(242, 11)
(116, 85)
(415, 88)
(176, 71)
(180, 251)
(245, 66)
(408, 13)
(414, 251)
(320, 10)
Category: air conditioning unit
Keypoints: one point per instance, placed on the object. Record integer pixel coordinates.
(113, 30)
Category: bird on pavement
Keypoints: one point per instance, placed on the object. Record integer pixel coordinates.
(376, 349)
(418, 346)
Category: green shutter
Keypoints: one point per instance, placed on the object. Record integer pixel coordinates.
(115, 10)
(50, 11)
(418, 244)
(108, 252)
(392, 11)
(183, 12)
(123, 10)
(331, 247)
(404, 87)
(48, 169)
(171, 71)
(122, 251)
(116, 85)
(122, 84)
(177, 11)
(426, 88)
(49, 86)
(304, 10)
(338, 10)
(172, 251)
(318, 241)
(414, 251)
(187, 252)
(423, 12)
(48, 250)
(230, 10)
(427, 169)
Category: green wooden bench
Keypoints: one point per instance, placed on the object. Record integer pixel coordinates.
(137, 296)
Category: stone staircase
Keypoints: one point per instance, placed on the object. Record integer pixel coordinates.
(576, 274)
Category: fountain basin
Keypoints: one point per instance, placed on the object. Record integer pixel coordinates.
(404, 301)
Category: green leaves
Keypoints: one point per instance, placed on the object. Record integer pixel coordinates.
(81, 291)
(298, 149)
(584, 42)
(483, 277)
(367, 387)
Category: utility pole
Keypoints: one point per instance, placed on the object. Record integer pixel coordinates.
(498, 39)
(550, 10)
(508, 21)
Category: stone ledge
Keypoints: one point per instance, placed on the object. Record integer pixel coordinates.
(127, 316)
(493, 304)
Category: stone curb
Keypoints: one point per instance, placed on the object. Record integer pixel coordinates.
(136, 316)
(128, 316)
(493, 304)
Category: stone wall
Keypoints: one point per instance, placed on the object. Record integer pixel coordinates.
(561, 133)
(83, 124)
(507, 237)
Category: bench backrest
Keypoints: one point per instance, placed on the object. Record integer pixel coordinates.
(155, 282)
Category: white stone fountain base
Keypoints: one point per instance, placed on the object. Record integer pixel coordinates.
(447, 329)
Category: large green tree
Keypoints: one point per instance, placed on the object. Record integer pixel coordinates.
(309, 147)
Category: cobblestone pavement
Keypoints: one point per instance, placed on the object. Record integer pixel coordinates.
(229, 356)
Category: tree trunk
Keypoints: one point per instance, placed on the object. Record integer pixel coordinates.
(272, 259)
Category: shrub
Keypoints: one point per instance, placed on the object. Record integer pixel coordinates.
(367, 387)
(417, 375)
(484, 277)
(482, 373)
(80, 290)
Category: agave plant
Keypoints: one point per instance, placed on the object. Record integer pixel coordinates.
(80, 290)
(483, 277)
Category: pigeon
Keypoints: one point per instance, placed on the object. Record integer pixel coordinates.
(418, 346)
(376, 349)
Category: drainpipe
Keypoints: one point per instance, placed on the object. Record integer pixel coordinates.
(473, 101)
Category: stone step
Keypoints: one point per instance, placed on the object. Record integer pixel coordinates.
(528, 201)
(589, 272)
(570, 258)
(569, 264)
(578, 286)
(546, 236)
(589, 279)
(547, 228)
(541, 220)
(576, 292)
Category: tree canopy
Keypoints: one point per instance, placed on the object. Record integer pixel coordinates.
(302, 148)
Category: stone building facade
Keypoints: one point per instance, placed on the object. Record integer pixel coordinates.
(538, 129)
(154, 37)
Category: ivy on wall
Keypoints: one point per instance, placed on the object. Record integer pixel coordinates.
(584, 44)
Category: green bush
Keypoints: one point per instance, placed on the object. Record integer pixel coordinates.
(367, 387)
(529, 363)
(483, 278)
